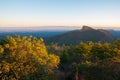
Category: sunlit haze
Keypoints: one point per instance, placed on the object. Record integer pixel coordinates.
(30, 13)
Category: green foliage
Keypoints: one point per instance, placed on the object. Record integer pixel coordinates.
(105, 70)
(64, 57)
(93, 61)
(26, 58)
(117, 43)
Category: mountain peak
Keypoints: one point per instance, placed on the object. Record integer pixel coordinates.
(85, 34)
(86, 28)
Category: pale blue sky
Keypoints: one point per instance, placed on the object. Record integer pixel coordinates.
(16, 13)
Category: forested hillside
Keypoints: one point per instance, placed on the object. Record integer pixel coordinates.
(85, 34)
(88, 61)
(28, 58)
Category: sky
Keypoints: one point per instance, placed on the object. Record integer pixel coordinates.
(30, 13)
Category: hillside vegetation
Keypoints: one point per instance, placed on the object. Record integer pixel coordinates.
(27, 58)
(85, 34)
(89, 61)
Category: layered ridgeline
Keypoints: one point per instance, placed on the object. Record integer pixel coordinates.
(85, 34)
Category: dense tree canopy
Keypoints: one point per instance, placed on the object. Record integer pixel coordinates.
(26, 58)
(92, 61)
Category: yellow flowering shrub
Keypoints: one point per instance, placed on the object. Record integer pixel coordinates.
(26, 58)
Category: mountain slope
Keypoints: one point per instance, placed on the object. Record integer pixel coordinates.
(76, 36)
(115, 33)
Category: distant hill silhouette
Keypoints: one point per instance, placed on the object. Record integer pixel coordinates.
(85, 34)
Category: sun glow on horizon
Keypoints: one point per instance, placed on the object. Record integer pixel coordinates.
(30, 13)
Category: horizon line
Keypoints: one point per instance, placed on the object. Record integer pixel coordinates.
(80, 26)
(61, 27)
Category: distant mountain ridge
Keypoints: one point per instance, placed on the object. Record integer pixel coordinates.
(69, 36)
(37, 34)
(85, 34)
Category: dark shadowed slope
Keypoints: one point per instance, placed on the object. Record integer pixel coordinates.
(115, 33)
(85, 34)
